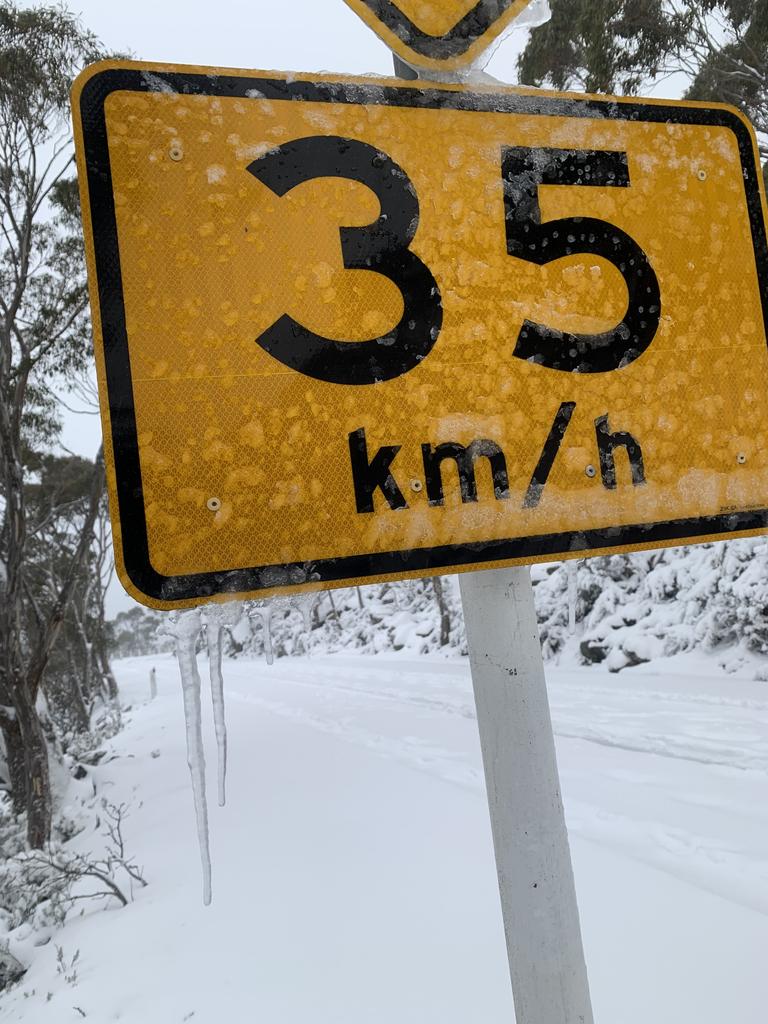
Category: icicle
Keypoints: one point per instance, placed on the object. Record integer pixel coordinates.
(305, 603)
(573, 569)
(266, 609)
(185, 630)
(262, 610)
(266, 620)
(216, 618)
(213, 632)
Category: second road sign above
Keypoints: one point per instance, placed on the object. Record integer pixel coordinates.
(354, 329)
(438, 34)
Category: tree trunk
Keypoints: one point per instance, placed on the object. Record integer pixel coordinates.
(38, 783)
(110, 683)
(445, 614)
(14, 757)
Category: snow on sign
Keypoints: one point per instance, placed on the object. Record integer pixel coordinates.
(438, 34)
(356, 329)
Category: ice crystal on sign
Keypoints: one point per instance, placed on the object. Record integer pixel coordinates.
(215, 173)
(535, 14)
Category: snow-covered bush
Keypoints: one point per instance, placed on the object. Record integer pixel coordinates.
(416, 615)
(628, 608)
(38, 888)
(632, 608)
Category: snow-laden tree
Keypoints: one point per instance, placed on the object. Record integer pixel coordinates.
(624, 46)
(44, 344)
(78, 678)
(417, 616)
(632, 608)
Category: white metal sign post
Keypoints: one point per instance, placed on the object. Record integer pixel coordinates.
(530, 838)
(538, 898)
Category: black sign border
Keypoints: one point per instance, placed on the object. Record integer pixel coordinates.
(455, 43)
(133, 526)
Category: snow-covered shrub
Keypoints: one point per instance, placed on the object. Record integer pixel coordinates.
(603, 587)
(635, 607)
(86, 747)
(38, 888)
(416, 615)
(11, 969)
(628, 609)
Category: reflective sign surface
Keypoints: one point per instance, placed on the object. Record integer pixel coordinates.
(350, 330)
(438, 34)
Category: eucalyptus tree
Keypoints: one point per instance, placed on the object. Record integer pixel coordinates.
(718, 47)
(44, 343)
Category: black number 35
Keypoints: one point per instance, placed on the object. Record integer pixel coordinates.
(383, 247)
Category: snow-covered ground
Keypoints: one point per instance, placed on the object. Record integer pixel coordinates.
(353, 874)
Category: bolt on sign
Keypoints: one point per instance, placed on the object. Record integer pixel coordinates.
(438, 34)
(351, 330)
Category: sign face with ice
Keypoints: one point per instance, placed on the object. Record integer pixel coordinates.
(351, 330)
(438, 34)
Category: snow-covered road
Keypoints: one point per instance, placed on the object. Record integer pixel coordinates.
(701, 783)
(353, 869)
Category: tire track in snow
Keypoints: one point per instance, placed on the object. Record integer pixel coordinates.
(410, 750)
(675, 747)
(699, 860)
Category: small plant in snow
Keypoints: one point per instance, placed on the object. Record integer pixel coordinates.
(68, 971)
(85, 746)
(39, 887)
(64, 877)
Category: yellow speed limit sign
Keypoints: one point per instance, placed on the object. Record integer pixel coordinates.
(350, 330)
(438, 34)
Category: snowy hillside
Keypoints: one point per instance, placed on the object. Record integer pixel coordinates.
(626, 610)
(353, 875)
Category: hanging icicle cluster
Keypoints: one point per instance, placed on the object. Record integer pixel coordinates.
(184, 628)
(265, 611)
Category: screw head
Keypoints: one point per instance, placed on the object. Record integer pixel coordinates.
(176, 152)
(701, 174)
(417, 485)
(213, 504)
(590, 471)
(741, 458)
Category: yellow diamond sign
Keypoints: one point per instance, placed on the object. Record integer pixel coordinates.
(436, 34)
(350, 330)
